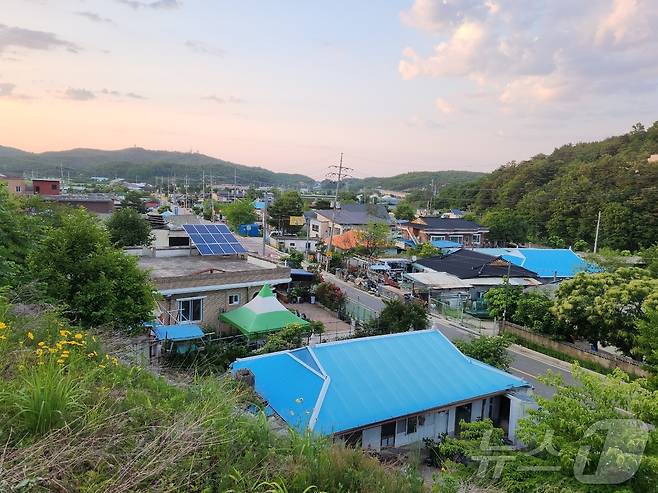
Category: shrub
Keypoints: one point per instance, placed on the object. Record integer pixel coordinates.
(330, 296)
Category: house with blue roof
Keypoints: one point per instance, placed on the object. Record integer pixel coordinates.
(385, 391)
(550, 264)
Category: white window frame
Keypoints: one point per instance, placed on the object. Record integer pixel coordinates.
(236, 302)
(437, 237)
(460, 238)
(179, 303)
(479, 238)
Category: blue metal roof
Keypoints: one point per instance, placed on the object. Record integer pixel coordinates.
(446, 244)
(259, 205)
(342, 385)
(179, 332)
(546, 262)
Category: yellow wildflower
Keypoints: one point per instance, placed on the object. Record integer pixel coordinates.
(115, 361)
(41, 344)
(3, 338)
(64, 333)
(39, 352)
(30, 335)
(78, 336)
(101, 366)
(3, 325)
(60, 361)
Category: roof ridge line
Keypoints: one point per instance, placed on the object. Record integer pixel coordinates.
(318, 404)
(289, 353)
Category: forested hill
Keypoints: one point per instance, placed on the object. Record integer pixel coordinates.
(415, 180)
(140, 164)
(557, 197)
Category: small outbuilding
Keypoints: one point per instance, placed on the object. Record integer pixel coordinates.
(262, 315)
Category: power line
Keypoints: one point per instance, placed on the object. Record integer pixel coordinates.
(333, 209)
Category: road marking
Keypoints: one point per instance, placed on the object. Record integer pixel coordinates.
(534, 377)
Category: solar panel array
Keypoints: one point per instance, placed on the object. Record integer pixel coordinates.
(213, 239)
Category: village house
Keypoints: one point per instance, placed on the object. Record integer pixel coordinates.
(456, 230)
(480, 271)
(348, 217)
(202, 280)
(385, 391)
(16, 185)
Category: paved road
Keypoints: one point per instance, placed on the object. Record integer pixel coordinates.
(526, 364)
(366, 299)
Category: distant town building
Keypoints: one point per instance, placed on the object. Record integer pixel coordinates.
(16, 185)
(44, 186)
(429, 229)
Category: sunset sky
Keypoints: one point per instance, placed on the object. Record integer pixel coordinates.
(396, 85)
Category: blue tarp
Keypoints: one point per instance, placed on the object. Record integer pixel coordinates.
(353, 383)
(259, 205)
(179, 332)
(249, 229)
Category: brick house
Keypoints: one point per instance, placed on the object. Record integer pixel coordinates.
(198, 289)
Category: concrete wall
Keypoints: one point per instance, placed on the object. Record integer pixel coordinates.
(605, 360)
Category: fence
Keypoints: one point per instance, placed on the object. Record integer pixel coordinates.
(358, 311)
(605, 360)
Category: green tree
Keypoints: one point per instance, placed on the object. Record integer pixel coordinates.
(400, 316)
(374, 238)
(533, 310)
(98, 284)
(650, 257)
(288, 204)
(128, 228)
(425, 250)
(502, 301)
(606, 307)
(239, 212)
(646, 345)
(294, 259)
(134, 200)
(491, 350)
(290, 337)
(322, 204)
(566, 417)
(405, 211)
(506, 226)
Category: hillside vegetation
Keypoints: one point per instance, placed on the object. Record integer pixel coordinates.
(416, 179)
(558, 196)
(140, 164)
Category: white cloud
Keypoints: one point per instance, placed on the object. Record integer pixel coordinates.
(204, 48)
(528, 54)
(18, 37)
(444, 106)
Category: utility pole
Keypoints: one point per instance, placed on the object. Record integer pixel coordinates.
(264, 223)
(212, 202)
(596, 237)
(333, 209)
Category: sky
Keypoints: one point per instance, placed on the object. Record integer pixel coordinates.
(395, 85)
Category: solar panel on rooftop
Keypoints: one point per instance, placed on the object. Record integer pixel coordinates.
(213, 239)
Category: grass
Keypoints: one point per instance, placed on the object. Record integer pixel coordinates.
(561, 356)
(74, 419)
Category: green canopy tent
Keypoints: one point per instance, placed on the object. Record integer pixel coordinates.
(261, 315)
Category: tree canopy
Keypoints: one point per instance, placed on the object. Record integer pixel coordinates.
(288, 204)
(239, 212)
(98, 284)
(559, 195)
(128, 228)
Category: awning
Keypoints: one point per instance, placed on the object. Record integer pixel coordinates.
(438, 280)
(178, 332)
